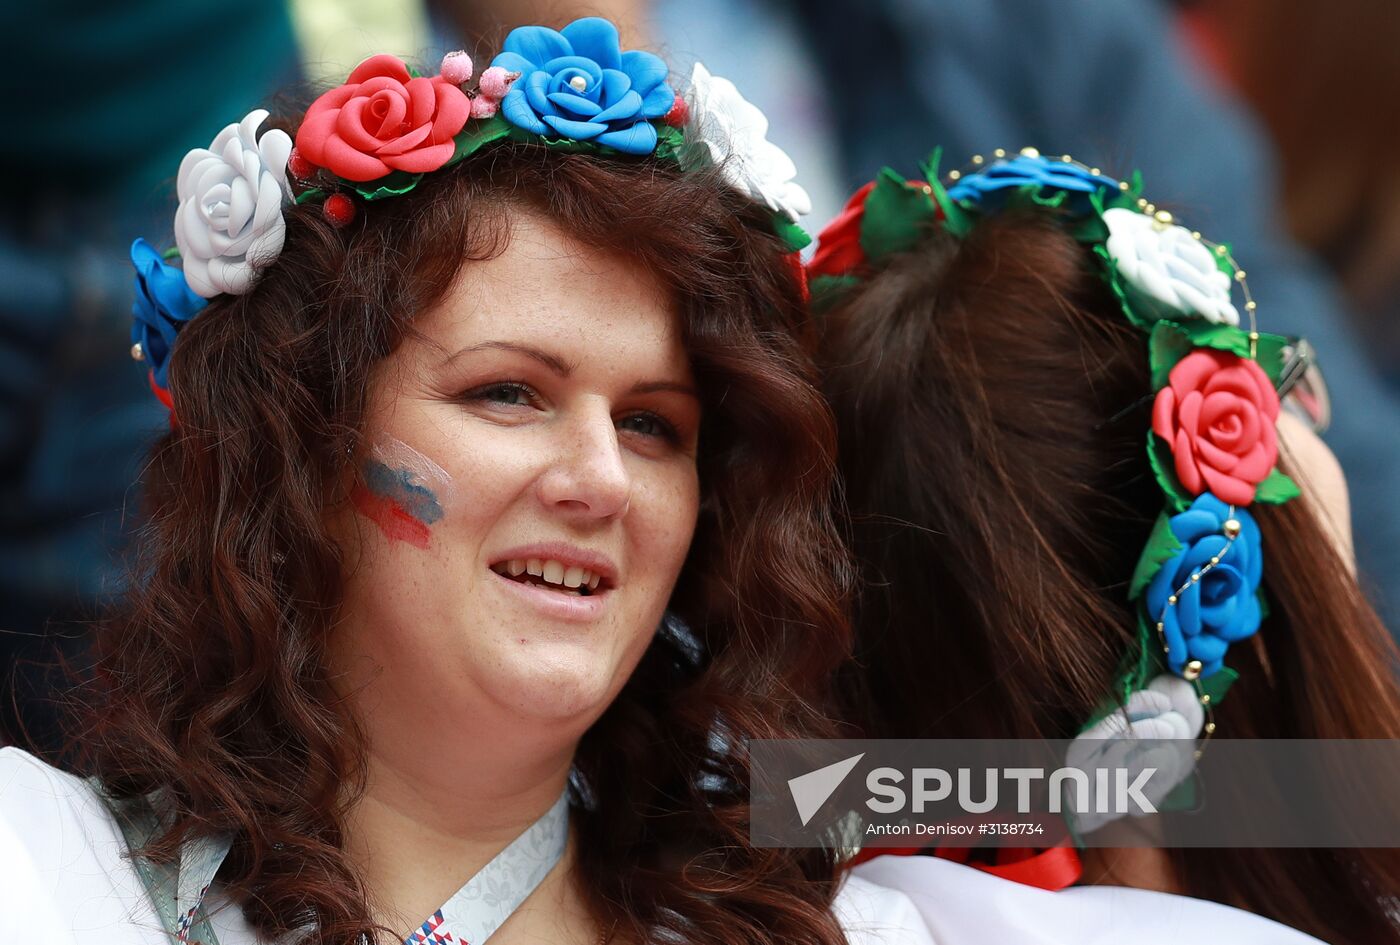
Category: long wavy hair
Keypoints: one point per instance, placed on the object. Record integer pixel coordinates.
(991, 404)
(213, 684)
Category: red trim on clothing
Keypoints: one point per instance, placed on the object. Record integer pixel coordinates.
(1051, 868)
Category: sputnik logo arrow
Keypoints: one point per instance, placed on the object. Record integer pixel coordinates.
(811, 790)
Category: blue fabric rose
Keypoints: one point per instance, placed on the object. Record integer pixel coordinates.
(578, 84)
(164, 302)
(1021, 170)
(1223, 605)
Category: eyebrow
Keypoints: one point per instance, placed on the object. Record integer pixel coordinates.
(564, 368)
(554, 363)
(653, 387)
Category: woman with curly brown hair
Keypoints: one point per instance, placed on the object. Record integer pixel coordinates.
(513, 382)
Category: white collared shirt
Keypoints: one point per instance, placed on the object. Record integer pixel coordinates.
(65, 880)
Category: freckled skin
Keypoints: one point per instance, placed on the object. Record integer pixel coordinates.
(429, 640)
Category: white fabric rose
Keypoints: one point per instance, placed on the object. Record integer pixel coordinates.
(1166, 263)
(230, 215)
(1167, 715)
(726, 130)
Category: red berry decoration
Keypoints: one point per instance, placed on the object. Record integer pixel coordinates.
(678, 114)
(339, 209)
(302, 169)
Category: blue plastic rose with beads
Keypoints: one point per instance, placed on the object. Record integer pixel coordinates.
(164, 302)
(578, 84)
(1029, 170)
(1206, 596)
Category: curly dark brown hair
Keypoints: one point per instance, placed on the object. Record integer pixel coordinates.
(213, 682)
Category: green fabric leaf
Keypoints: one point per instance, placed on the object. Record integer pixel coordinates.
(956, 220)
(171, 253)
(1161, 547)
(1123, 200)
(1185, 796)
(929, 165)
(1165, 347)
(669, 142)
(306, 196)
(1264, 609)
(1091, 229)
(1168, 344)
(1217, 684)
(1222, 260)
(1204, 334)
(391, 185)
(896, 216)
(477, 134)
(827, 290)
(1276, 489)
(570, 146)
(1268, 349)
(1269, 355)
(797, 239)
(1159, 454)
(1054, 199)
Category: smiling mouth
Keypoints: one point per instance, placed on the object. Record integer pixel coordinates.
(554, 576)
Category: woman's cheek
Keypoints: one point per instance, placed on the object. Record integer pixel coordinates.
(402, 492)
(672, 505)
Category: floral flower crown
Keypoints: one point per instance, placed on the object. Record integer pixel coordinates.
(1213, 445)
(375, 136)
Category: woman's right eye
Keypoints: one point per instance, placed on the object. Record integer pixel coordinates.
(506, 393)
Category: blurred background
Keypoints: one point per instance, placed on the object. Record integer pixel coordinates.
(1254, 121)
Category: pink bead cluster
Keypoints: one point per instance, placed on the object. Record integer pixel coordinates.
(495, 82)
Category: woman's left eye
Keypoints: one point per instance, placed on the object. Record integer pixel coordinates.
(648, 424)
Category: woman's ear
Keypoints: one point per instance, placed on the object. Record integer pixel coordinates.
(1318, 474)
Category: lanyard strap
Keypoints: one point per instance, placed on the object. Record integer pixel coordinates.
(470, 917)
(176, 889)
(480, 907)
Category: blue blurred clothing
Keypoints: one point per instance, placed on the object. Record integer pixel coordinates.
(105, 100)
(108, 97)
(1106, 83)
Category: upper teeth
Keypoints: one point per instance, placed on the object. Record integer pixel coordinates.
(553, 572)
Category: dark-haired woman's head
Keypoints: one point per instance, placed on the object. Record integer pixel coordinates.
(973, 383)
(434, 481)
(992, 404)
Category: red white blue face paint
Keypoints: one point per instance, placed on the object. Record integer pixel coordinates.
(402, 491)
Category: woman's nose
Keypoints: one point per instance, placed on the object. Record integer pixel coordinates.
(588, 476)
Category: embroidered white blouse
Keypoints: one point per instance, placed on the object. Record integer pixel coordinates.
(64, 880)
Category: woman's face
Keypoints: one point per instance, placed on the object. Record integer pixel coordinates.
(527, 494)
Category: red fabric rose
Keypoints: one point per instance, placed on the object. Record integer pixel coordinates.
(838, 244)
(1218, 413)
(383, 120)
